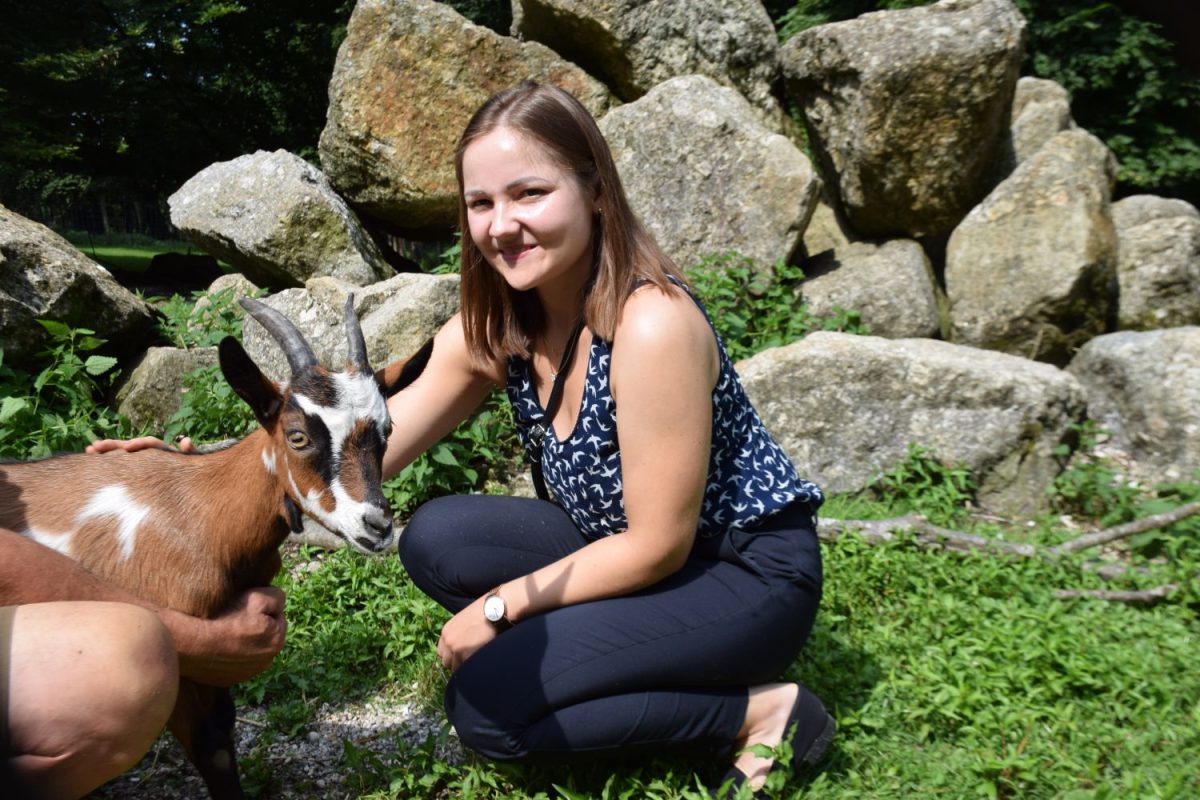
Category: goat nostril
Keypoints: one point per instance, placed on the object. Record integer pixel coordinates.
(379, 521)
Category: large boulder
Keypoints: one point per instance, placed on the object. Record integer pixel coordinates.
(151, 393)
(1144, 389)
(1041, 108)
(908, 110)
(407, 78)
(890, 285)
(397, 316)
(706, 177)
(43, 276)
(846, 408)
(275, 218)
(634, 45)
(1032, 270)
(1158, 266)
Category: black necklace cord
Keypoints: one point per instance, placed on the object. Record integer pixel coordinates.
(538, 433)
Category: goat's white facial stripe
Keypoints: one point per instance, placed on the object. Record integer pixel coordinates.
(361, 393)
(358, 398)
(268, 459)
(115, 501)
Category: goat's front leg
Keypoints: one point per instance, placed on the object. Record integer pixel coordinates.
(202, 721)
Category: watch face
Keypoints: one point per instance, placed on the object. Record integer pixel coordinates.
(493, 608)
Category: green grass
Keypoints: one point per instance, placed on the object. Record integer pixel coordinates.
(127, 252)
(949, 675)
(125, 258)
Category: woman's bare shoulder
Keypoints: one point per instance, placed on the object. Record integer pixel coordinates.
(652, 314)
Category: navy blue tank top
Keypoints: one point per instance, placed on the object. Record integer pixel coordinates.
(750, 477)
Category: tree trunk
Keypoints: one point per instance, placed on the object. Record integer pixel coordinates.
(103, 214)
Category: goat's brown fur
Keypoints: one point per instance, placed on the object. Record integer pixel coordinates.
(199, 533)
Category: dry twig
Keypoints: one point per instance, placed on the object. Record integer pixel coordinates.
(878, 531)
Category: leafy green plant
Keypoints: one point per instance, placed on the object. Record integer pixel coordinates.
(209, 410)
(924, 484)
(461, 462)
(1091, 486)
(204, 319)
(753, 311)
(449, 262)
(60, 408)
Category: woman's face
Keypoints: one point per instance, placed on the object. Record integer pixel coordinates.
(531, 219)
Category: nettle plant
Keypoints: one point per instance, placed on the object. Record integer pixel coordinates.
(60, 408)
(1094, 488)
(753, 310)
(209, 410)
(923, 483)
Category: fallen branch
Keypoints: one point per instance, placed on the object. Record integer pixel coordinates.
(928, 535)
(1128, 529)
(1143, 597)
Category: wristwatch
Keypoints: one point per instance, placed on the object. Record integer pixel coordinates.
(494, 609)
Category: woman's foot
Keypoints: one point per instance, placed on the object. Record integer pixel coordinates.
(775, 710)
(767, 715)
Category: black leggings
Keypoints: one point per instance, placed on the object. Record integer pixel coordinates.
(668, 665)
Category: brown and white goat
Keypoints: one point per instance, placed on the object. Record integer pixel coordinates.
(192, 531)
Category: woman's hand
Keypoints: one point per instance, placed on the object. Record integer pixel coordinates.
(235, 645)
(466, 632)
(140, 443)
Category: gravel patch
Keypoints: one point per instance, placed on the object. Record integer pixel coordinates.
(307, 765)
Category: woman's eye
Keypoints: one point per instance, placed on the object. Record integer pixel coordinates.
(297, 439)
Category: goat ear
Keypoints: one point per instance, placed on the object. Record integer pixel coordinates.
(244, 376)
(398, 374)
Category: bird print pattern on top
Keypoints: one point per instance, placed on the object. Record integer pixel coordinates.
(749, 475)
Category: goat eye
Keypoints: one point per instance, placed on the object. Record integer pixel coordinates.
(297, 439)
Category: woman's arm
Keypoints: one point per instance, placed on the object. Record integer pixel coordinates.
(232, 647)
(664, 368)
(450, 388)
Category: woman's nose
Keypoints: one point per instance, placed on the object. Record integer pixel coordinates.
(504, 222)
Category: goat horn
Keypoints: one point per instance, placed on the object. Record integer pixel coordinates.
(299, 354)
(358, 343)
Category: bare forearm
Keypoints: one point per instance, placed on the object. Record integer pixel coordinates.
(236, 645)
(33, 573)
(609, 567)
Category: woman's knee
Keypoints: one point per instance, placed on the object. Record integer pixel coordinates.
(484, 734)
(150, 651)
(423, 539)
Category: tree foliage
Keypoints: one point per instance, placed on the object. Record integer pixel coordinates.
(133, 97)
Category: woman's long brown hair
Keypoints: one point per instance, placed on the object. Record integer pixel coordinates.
(501, 322)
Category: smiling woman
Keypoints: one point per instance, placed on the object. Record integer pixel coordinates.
(671, 572)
